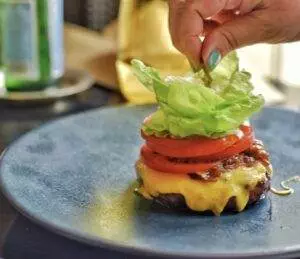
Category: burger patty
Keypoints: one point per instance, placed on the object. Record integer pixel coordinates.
(176, 201)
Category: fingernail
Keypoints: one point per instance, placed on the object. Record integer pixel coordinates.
(214, 59)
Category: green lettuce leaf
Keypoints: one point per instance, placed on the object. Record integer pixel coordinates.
(187, 106)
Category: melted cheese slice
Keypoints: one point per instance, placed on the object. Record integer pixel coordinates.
(202, 196)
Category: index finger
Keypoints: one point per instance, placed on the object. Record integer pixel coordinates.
(185, 27)
(186, 22)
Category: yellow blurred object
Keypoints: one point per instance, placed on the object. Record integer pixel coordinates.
(144, 34)
(90, 51)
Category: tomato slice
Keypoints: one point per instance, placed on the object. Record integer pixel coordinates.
(237, 148)
(169, 165)
(193, 147)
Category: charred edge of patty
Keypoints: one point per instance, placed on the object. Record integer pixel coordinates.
(175, 201)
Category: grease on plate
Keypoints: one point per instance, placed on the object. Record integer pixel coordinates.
(286, 189)
(106, 214)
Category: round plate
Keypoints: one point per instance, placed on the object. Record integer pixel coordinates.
(76, 177)
(73, 82)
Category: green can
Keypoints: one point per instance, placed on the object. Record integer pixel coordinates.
(31, 43)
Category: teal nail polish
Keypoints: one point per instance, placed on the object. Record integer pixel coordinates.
(214, 59)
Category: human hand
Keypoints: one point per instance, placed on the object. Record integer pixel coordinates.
(230, 24)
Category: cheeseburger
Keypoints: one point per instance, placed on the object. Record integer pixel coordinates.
(199, 151)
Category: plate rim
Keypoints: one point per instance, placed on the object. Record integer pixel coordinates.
(84, 83)
(100, 242)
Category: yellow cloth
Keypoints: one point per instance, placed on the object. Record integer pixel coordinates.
(144, 34)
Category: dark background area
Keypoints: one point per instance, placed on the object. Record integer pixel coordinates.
(93, 14)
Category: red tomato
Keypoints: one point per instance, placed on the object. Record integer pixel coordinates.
(237, 148)
(193, 147)
(169, 165)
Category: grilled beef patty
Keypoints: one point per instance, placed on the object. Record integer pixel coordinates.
(175, 201)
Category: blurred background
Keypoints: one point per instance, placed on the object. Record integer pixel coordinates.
(274, 68)
(63, 57)
(53, 50)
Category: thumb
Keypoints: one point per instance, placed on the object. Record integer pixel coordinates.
(242, 31)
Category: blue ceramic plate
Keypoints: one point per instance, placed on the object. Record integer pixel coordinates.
(75, 176)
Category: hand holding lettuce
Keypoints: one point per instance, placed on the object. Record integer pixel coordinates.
(188, 106)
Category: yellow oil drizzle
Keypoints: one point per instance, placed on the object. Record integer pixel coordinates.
(286, 189)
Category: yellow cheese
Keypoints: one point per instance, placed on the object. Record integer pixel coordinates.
(202, 196)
